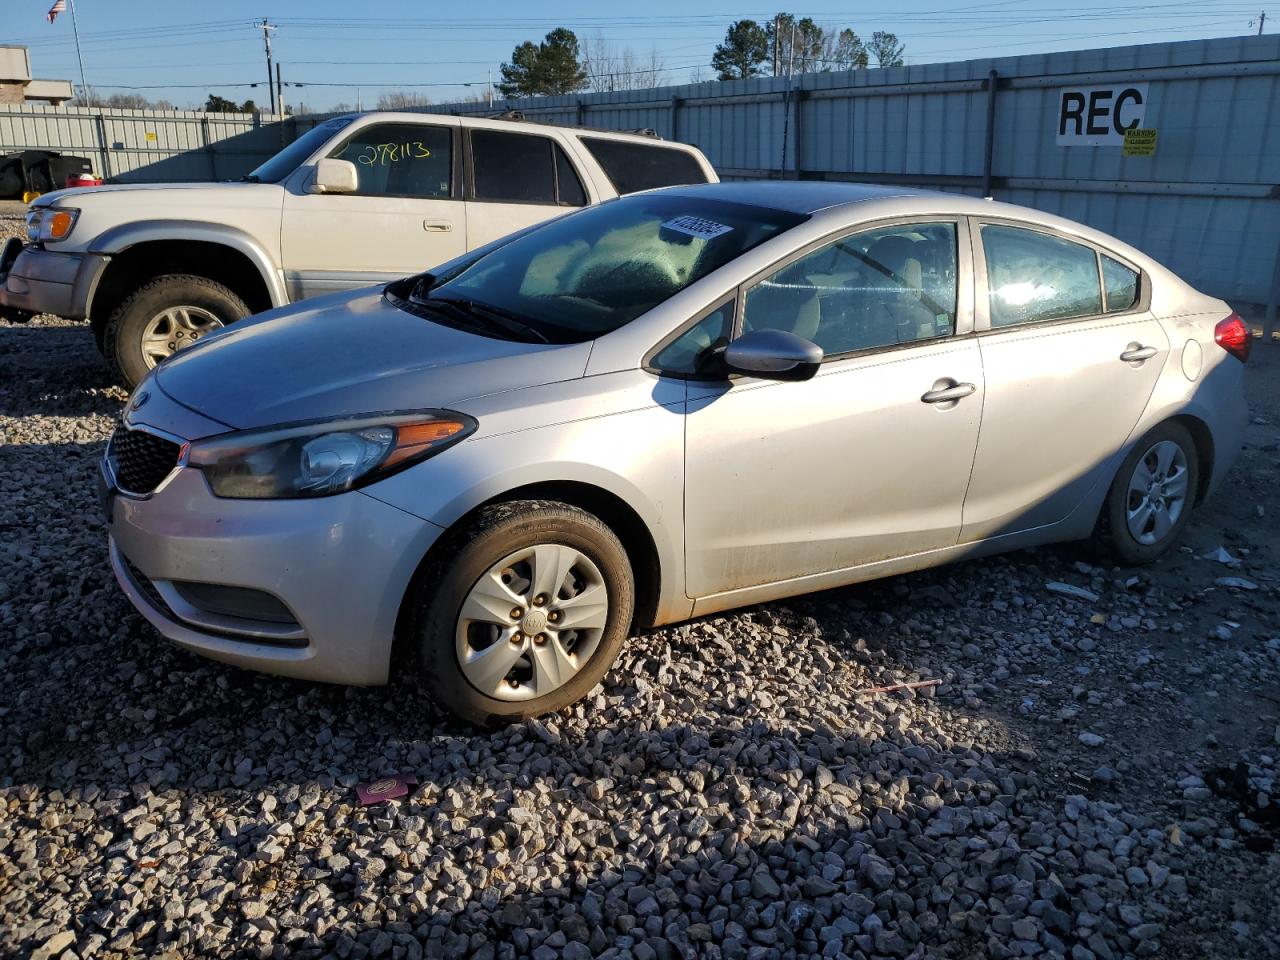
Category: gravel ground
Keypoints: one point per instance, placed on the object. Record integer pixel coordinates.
(728, 792)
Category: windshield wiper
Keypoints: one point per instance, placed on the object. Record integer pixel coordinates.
(503, 320)
(251, 178)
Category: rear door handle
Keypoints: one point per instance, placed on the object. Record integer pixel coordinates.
(437, 226)
(1136, 353)
(949, 394)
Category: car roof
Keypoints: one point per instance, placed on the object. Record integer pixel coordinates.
(530, 125)
(799, 196)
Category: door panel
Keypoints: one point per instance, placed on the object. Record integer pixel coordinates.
(407, 217)
(790, 479)
(1060, 402)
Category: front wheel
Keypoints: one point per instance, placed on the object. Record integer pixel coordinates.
(1151, 497)
(527, 614)
(168, 314)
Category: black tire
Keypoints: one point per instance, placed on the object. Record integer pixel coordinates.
(1115, 527)
(124, 330)
(494, 534)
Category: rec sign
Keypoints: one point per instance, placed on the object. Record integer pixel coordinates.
(1099, 116)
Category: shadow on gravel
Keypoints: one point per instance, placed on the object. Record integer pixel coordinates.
(55, 371)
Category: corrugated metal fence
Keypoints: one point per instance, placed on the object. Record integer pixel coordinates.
(1207, 202)
(150, 145)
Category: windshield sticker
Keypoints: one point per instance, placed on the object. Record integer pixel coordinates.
(697, 227)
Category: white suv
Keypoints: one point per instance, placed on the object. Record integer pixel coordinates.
(358, 200)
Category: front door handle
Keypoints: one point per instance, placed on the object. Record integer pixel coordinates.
(1136, 353)
(957, 391)
(437, 226)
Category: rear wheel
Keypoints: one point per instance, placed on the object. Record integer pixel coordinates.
(527, 614)
(1151, 497)
(168, 314)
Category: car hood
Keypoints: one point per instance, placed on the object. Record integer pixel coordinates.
(235, 191)
(352, 353)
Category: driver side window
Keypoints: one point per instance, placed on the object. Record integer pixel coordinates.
(878, 288)
(401, 160)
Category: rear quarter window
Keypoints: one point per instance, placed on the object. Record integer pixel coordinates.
(632, 167)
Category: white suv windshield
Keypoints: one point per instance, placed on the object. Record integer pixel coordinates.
(592, 272)
(288, 159)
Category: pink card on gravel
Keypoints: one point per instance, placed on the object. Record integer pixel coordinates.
(384, 788)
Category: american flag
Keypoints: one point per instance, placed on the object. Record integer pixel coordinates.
(59, 6)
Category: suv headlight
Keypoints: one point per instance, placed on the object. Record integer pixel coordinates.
(51, 224)
(317, 459)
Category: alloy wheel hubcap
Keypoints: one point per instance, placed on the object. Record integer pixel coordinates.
(174, 329)
(531, 622)
(1157, 492)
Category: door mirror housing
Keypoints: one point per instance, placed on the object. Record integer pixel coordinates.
(773, 355)
(334, 176)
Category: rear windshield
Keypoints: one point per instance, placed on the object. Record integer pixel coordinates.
(632, 167)
(592, 272)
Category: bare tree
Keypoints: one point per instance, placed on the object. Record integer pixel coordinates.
(402, 100)
(612, 68)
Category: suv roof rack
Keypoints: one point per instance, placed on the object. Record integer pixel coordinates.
(518, 116)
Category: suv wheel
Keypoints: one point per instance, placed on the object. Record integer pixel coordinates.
(164, 316)
(527, 614)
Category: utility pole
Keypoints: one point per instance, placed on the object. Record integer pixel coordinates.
(266, 42)
(791, 49)
(1262, 19)
(279, 104)
(491, 88)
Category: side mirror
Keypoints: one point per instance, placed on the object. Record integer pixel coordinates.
(773, 355)
(334, 176)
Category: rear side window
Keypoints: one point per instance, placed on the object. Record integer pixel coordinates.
(401, 160)
(632, 167)
(1034, 276)
(1121, 285)
(512, 167)
(522, 168)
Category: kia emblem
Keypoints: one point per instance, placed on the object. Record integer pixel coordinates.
(139, 400)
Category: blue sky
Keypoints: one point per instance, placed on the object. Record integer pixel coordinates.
(343, 51)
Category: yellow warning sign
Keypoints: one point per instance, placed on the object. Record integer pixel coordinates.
(151, 136)
(1140, 143)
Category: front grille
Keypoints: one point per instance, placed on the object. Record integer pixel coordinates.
(141, 459)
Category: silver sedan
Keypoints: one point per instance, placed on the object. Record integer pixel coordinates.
(661, 407)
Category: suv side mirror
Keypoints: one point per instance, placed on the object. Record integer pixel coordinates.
(773, 355)
(334, 176)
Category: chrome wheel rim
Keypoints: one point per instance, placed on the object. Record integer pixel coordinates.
(531, 622)
(1158, 492)
(174, 329)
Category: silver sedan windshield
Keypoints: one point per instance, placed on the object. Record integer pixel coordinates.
(588, 274)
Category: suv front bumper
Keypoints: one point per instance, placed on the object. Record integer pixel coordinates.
(34, 280)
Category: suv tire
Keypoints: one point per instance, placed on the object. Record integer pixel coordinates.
(199, 307)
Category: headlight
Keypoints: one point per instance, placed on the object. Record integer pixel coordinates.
(51, 224)
(322, 458)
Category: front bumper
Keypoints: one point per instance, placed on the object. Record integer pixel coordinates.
(340, 565)
(34, 280)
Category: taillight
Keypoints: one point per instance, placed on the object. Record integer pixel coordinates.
(1234, 336)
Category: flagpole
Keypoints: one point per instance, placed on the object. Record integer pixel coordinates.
(75, 28)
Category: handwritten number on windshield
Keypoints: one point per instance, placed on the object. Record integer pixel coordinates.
(383, 154)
